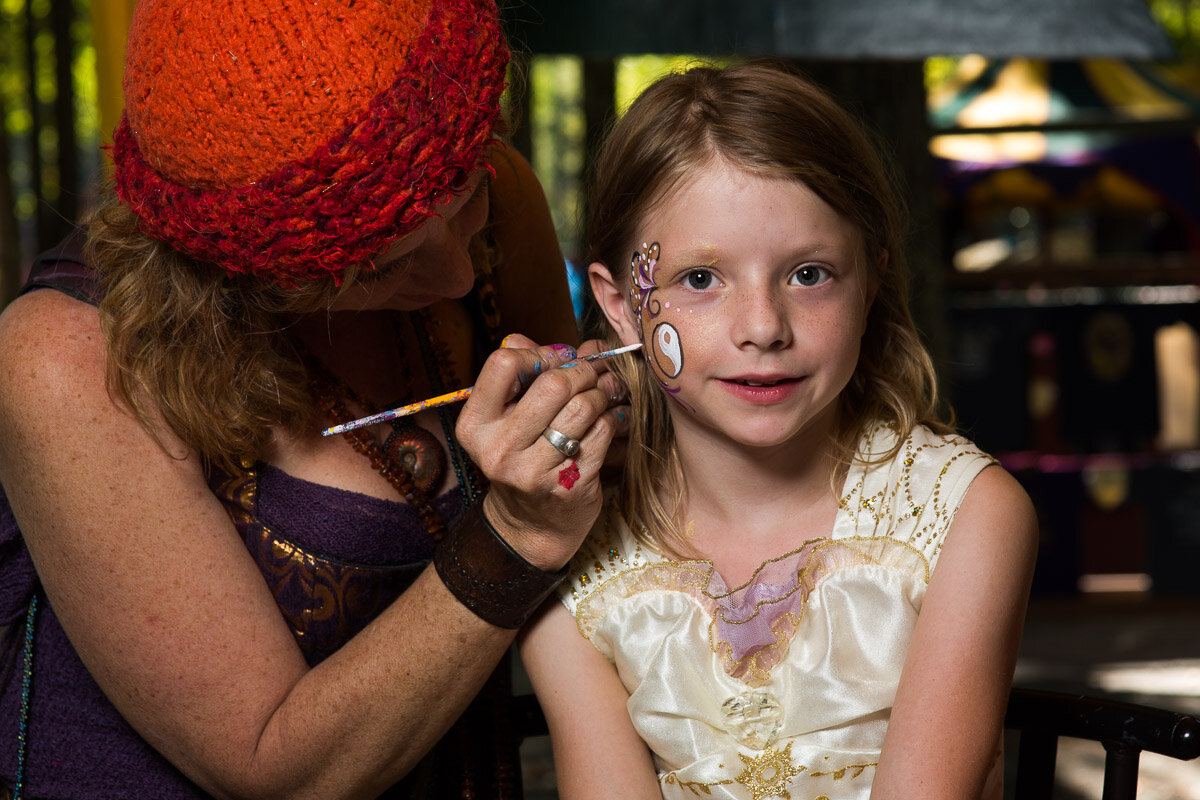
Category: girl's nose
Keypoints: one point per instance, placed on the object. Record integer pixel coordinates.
(760, 320)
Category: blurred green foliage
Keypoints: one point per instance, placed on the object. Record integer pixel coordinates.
(558, 126)
(1181, 20)
(557, 132)
(28, 91)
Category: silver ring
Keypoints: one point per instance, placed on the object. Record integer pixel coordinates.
(562, 443)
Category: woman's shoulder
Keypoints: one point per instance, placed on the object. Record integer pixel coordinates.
(52, 366)
(49, 340)
(65, 269)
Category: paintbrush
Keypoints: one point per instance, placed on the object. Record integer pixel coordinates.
(456, 396)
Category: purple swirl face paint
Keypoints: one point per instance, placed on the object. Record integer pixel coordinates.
(664, 350)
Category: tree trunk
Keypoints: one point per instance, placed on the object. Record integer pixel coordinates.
(10, 236)
(70, 185)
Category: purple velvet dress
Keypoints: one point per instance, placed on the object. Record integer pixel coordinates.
(333, 559)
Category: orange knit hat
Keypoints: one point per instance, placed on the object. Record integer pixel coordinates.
(293, 139)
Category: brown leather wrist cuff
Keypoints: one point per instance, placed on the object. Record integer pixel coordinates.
(488, 576)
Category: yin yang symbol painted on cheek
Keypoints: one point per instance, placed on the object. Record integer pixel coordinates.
(668, 354)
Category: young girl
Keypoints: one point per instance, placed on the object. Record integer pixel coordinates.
(808, 586)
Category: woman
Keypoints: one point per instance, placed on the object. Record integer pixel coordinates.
(206, 596)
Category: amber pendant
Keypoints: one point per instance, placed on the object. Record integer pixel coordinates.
(420, 454)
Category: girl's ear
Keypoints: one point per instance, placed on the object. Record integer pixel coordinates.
(613, 300)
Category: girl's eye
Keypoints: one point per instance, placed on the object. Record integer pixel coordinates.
(810, 275)
(698, 279)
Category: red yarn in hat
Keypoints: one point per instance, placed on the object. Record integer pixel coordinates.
(269, 138)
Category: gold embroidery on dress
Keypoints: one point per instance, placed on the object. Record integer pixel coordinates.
(695, 787)
(838, 774)
(768, 774)
(882, 511)
(605, 555)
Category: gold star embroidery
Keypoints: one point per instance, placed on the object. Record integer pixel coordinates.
(768, 774)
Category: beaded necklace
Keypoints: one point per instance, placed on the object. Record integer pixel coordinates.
(410, 459)
(328, 391)
(439, 368)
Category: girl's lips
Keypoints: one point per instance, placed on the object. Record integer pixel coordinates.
(761, 392)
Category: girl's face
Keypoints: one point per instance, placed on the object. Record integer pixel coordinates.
(432, 263)
(751, 297)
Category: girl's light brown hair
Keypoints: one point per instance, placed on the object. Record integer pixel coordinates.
(763, 117)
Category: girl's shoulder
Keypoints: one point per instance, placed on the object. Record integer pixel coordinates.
(913, 494)
(922, 449)
(609, 551)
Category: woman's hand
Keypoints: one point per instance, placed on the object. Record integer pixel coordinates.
(542, 502)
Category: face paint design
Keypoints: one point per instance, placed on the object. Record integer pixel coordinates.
(641, 282)
(664, 354)
(666, 346)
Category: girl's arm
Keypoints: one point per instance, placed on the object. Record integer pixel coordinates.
(945, 731)
(170, 614)
(597, 751)
(531, 278)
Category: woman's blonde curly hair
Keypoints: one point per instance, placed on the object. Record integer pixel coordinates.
(181, 333)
